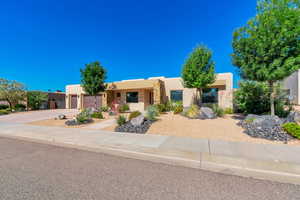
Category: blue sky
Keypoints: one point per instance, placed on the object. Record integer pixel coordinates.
(44, 43)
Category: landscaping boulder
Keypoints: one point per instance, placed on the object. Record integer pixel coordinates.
(265, 126)
(61, 117)
(137, 121)
(206, 113)
(293, 117)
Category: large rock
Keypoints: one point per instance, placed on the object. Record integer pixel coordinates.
(61, 117)
(207, 113)
(293, 117)
(137, 121)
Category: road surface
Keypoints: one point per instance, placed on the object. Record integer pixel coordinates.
(37, 171)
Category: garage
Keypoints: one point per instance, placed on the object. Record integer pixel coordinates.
(73, 101)
(89, 101)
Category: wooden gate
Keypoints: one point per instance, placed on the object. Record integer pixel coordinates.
(89, 101)
(73, 101)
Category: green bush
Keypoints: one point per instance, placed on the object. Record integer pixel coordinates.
(192, 112)
(161, 108)
(4, 112)
(218, 111)
(124, 108)
(177, 107)
(104, 109)
(121, 120)
(36, 98)
(20, 107)
(84, 116)
(134, 114)
(254, 98)
(292, 129)
(4, 106)
(152, 112)
(97, 115)
(228, 111)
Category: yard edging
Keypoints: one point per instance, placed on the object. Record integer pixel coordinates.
(272, 162)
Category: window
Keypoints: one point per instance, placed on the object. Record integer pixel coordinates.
(132, 97)
(176, 95)
(118, 94)
(210, 95)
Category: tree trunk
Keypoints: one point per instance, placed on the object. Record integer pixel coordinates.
(272, 97)
(200, 96)
(96, 102)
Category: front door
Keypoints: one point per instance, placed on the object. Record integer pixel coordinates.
(73, 101)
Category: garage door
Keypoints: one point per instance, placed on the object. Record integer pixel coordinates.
(74, 101)
(89, 101)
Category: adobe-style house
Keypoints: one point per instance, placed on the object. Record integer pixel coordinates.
(292, 85)
(140, 93)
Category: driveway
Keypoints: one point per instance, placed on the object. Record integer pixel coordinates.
(31, 116)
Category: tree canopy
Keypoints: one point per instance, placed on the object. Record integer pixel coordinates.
(12, 91)
(92, 78)
(35, 99)
(267, 48)
(199, 69)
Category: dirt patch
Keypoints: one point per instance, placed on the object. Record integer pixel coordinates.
(61, 123)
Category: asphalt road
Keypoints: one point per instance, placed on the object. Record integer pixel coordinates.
(38, 171)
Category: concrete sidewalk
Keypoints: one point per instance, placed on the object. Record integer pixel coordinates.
(266, 161)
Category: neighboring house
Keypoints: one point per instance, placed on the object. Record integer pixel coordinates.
(292, 85)
(140, 93)
(56, 100)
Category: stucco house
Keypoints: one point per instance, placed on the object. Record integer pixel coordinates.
(292, 85)
(140, 93)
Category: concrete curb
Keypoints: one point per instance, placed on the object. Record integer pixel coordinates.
(259, 169)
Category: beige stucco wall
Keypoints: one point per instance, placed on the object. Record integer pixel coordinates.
(78, 90)
(292, 83)
(140, 106)
(189, 95)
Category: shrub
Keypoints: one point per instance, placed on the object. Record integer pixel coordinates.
(4, 106)
(292, 129)
(121, 120)
(20, 107)
(104, 109)
(152, 112)
(228, 111)
(124, 108)
(97, 115)
(253, 98)
(83, 117)
(177, 107)
(161, 108)
(218, 111)
(192, 112)
(4, 112)
(169, 106)
(134, 114)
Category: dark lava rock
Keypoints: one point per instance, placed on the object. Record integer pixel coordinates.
(265, 126)
(74, 122)
(129, 128)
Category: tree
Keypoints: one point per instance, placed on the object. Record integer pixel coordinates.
(267, 49)
(92, 79)
(12, 91)
(199, 69)
(35, 99)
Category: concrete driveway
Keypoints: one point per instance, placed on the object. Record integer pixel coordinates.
(31, 116)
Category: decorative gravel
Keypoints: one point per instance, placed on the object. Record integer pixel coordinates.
(129, 128)
(265, 126)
